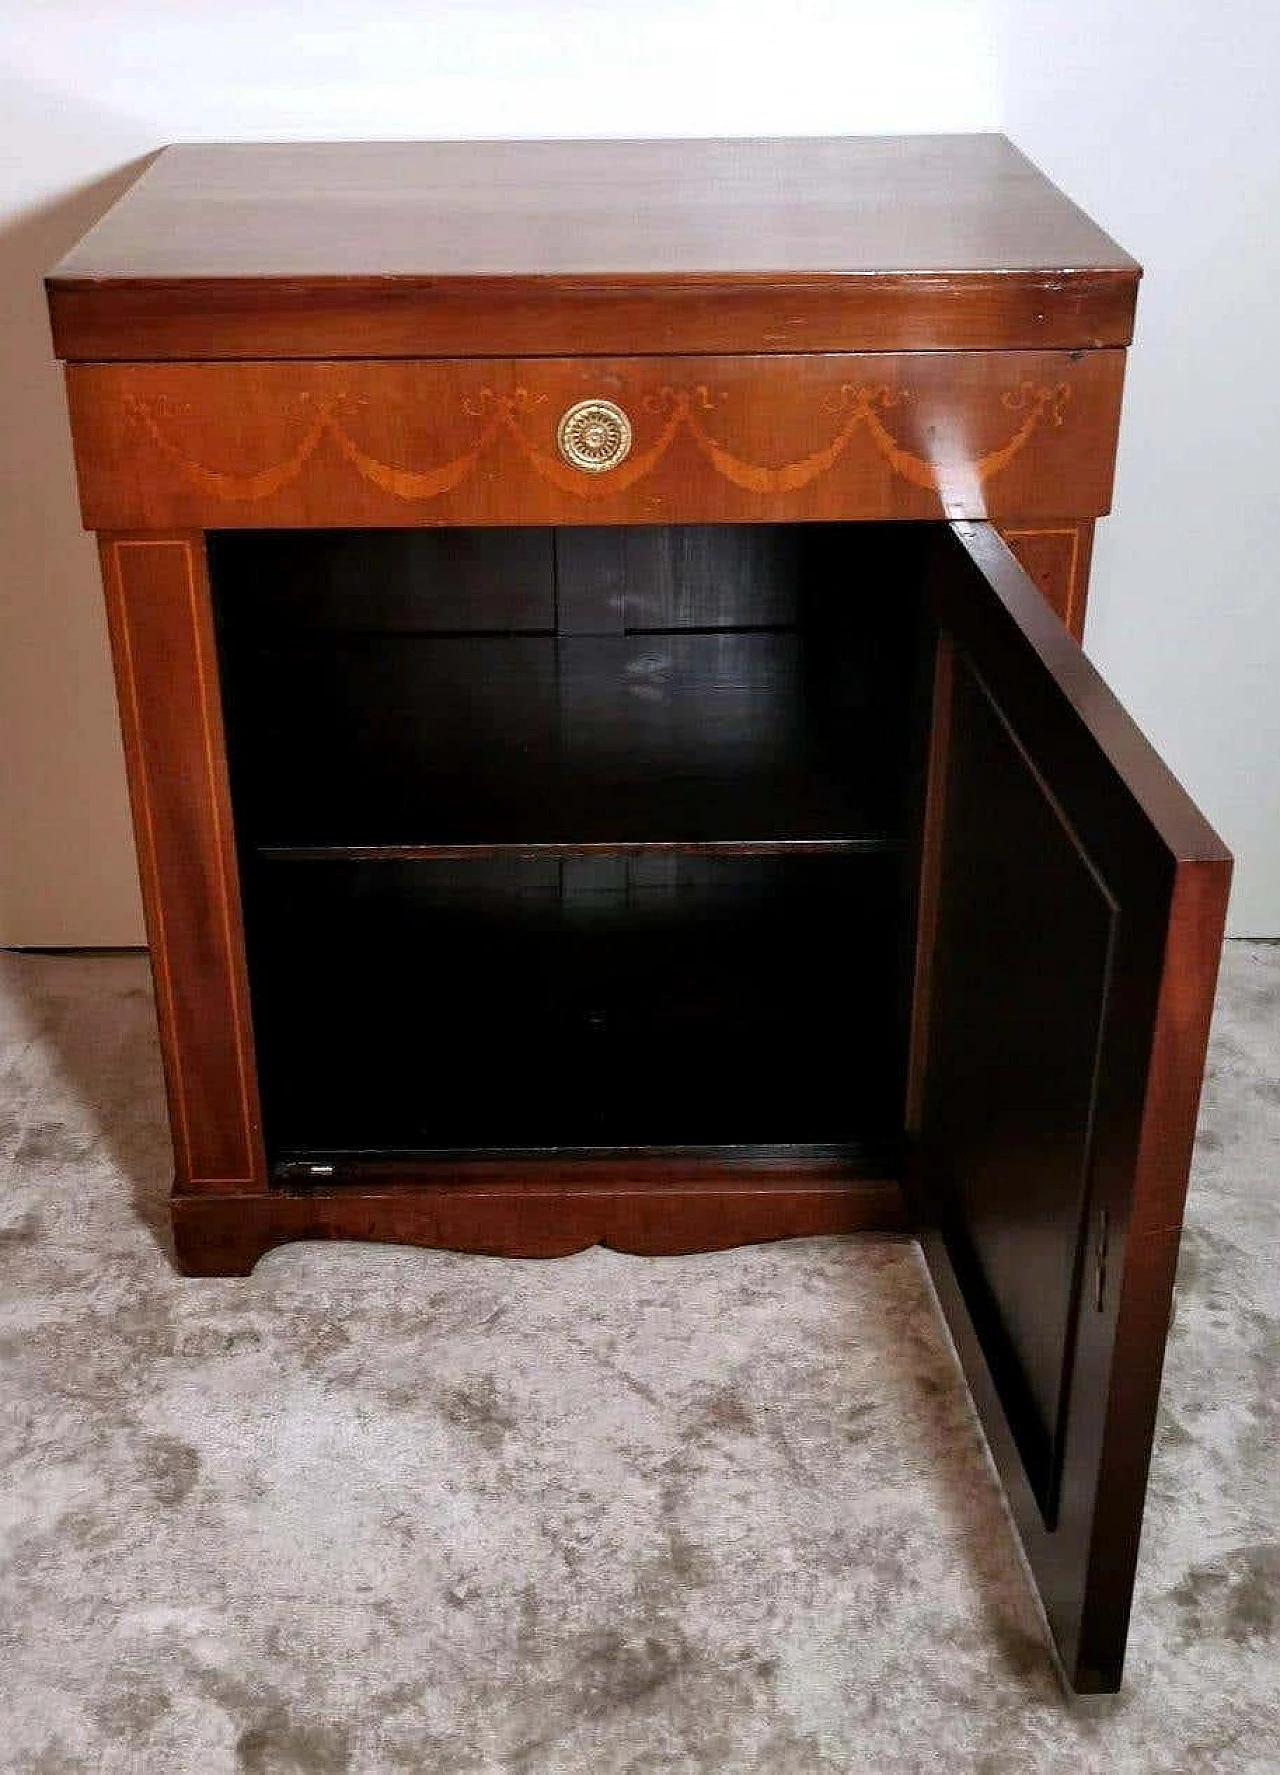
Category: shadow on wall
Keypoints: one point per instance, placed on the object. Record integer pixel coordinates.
(66, 862)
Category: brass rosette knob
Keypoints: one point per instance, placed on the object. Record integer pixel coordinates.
(594, 436)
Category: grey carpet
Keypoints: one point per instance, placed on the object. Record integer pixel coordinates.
(383, 1510)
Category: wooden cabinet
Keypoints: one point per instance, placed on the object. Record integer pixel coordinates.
(597, 637)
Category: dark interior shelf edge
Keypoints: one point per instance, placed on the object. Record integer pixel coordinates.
(848, 1164)
(872, 844)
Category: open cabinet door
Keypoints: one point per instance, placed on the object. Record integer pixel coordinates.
(1071, 915)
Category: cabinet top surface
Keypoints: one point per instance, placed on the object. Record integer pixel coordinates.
(745, 215)
(497, 209)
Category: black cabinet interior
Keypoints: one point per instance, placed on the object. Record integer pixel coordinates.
(587, 839)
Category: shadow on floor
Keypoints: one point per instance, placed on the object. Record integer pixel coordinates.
(86, 1074)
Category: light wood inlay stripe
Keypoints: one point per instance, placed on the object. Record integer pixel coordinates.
(144, 833)
(1051, 554)
(226, 875)
(161, 636)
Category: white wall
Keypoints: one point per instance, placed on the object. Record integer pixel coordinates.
(1166, 137)
(1163, 119)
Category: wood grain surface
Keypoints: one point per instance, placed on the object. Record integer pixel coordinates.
(524, 1210)
(438, 248)
(166, 676)
(1011, 436)
(1071, 922)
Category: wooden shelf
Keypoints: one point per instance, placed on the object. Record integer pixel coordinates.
(746, 1167)
(869, 844)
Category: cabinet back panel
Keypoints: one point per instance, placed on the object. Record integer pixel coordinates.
(606, 1001)
(653, 685)
(288, 583)
(679, 576)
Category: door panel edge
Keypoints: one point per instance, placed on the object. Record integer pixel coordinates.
(1172, 875)
(1192, 953)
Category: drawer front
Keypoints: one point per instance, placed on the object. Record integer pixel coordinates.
(1000, 435)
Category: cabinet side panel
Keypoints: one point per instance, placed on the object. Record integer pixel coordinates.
(1057, 557)
(162, 642)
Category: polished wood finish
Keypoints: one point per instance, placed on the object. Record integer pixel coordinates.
(1057, 558)
(1071, 923)
(1013, 436)
(437, 249)
(571, 840)
(653, 1208)
(166, 676)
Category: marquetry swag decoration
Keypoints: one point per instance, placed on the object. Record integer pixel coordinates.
(858, 408)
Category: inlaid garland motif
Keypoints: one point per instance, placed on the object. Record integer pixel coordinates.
(858, 408)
